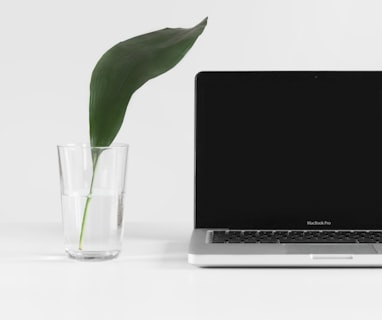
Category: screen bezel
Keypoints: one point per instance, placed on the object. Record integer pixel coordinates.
(352, 223)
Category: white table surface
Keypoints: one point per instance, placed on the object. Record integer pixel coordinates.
(152, 280)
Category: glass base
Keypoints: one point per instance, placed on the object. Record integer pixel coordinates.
(93, 255)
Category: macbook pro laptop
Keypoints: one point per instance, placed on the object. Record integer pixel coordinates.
(288, 169)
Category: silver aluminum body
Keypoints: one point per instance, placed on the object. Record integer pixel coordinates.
(203, 253)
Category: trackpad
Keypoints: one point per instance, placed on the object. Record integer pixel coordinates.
(329, 249)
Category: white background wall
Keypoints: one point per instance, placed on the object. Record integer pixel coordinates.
(49, 48)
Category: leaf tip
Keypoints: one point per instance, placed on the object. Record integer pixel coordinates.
(204, 22)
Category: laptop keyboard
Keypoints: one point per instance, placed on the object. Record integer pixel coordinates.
(296, 236)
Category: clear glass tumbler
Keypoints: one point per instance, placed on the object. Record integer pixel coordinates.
(92, 196)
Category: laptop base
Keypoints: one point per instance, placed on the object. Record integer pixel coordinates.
(202, 253)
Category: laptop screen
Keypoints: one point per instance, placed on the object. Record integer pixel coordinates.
(289, 150)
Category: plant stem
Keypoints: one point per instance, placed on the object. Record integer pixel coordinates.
(87, 205)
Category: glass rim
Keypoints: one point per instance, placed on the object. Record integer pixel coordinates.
(86, 145)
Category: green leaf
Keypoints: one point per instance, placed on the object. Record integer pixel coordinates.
(126, 67)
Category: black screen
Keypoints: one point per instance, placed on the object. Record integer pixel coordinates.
(289, 150)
